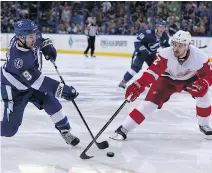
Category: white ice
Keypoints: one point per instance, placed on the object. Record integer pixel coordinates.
(169, 140)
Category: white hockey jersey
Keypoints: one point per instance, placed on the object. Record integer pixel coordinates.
(166, 64)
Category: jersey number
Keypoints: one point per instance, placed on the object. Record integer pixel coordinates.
(156, 61)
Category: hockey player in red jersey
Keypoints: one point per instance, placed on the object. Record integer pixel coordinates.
(176, 68)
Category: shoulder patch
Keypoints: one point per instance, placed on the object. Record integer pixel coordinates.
(148, 31)
(18, 63)
(141, 36)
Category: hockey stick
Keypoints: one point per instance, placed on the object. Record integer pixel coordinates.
(203, 47)
(83, 154)
(3, 60)
(101, 145)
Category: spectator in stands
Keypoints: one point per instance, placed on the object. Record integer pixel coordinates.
(74, 28)
(66, 13)
(172, 28)
(195, 31)
(106, 6)
(115, 17)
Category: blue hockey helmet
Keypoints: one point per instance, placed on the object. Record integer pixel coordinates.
(24, 27)
(161, 23)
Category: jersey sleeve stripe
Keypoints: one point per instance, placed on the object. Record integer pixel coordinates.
(152, 73)
(37, 84)
(132, 72)
(10, 97)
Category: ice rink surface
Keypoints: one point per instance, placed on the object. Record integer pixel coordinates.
(168, 141)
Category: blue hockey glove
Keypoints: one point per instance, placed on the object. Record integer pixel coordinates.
(49, 50)
(67, 92)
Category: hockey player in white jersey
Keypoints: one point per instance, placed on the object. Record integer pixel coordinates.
(176, 68)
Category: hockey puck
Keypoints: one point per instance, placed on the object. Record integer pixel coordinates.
(110, 154)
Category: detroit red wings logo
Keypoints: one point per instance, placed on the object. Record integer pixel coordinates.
(181, 74)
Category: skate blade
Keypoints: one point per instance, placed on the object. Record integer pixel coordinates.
(117, 138)
(78, 146)
(120, 89)
(208, 137)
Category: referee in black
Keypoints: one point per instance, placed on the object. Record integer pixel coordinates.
(91, 31)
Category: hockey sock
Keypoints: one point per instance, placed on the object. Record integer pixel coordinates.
(63, 124)
(137, 116)
(129, 75)
(133, 120)
(203, 115)
(203, 109)
(60, 120)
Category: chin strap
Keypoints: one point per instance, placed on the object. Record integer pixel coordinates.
(21, 44)
(157, 34)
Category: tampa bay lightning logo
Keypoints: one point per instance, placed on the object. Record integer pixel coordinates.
(18, 63)
(70, 41)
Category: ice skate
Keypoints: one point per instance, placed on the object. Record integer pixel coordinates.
(93, 56)
(69, 138)
(122, 84)
(207, 131)
(85, 55)
(120, 134)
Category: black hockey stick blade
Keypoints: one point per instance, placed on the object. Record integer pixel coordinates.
(102, 145)
(203, 47)
(84, 156)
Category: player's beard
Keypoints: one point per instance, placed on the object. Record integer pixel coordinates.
(180, 55)
(177, 54)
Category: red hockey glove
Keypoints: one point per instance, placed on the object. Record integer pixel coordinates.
(198, 88)
(135, 89)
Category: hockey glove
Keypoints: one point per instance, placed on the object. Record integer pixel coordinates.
(49, 50)
(198, 88)
(135, 89)
(67, 92)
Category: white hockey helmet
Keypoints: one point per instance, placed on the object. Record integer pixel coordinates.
(181, 36)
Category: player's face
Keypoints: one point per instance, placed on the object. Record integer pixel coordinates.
(30, 40)
(161, 29)
(179, 49)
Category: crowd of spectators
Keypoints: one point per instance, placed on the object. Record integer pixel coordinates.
(116, 18)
